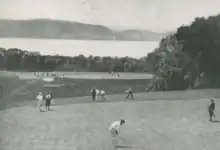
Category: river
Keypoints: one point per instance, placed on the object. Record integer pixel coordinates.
(75, 47)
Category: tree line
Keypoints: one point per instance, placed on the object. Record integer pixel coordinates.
(20, 60)
(189, 58)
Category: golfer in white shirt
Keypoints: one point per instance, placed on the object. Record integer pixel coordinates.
(103, 95)
(114, 128)
(97, 94)
(40, 99)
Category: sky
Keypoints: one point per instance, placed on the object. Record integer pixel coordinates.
(155, 15)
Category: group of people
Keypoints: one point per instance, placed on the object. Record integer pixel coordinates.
(98, 93)
(115, 126)
(102, 94)
(115, 73)
(41, 98)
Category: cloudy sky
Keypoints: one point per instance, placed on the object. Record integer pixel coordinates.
(156, 15)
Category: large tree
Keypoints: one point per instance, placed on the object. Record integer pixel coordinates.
(188, 56)
(202, 38)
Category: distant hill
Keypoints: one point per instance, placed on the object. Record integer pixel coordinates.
(45, 28)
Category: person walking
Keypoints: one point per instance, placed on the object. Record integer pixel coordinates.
(211, 109)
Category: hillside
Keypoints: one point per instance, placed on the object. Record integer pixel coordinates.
(45, 28)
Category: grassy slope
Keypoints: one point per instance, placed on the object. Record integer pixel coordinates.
(21, 92)
(150, 125)
(25, 89)
(167, 125)
(72, 88)
(154, 96)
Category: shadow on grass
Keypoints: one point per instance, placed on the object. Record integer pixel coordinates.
(51, 109)
(124, 147)
(43, 110)
(216, 121)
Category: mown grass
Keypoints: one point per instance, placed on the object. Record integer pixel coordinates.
(167, 125)
(158, 120)
(18, 91)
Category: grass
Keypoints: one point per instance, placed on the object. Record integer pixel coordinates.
(20, 89)
(90, 75)
(154, 125)
(27, 86)
(158, 120)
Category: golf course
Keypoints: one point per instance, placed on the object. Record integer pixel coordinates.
(175, 120)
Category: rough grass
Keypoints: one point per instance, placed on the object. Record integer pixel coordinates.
(167, 125)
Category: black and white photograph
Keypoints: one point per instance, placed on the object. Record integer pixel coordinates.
(109, 75)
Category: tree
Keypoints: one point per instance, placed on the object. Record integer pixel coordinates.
(182, 57)
(202, 38)
(17, 59)
(168, 64)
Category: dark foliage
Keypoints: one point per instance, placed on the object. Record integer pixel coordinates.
(190, 57)
(16, 59)
(202, 36)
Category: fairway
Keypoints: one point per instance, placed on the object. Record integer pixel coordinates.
(154, 121)
(74, 84)
(155, 125)
(89, 75)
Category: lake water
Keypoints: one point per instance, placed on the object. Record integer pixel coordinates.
(76, 47)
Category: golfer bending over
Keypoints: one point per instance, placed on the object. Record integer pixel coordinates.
(114, 130)
(103, 95)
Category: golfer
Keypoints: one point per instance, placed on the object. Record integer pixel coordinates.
(130, 94)
(39, 99)
(211, 109)
(114, 128)
(93, 91)
(103, 95)
(118, 75)
(97, 91)
(48, 98)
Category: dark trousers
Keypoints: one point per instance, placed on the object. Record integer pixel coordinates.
(48, 103)
(93, 97)
(211, 115)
